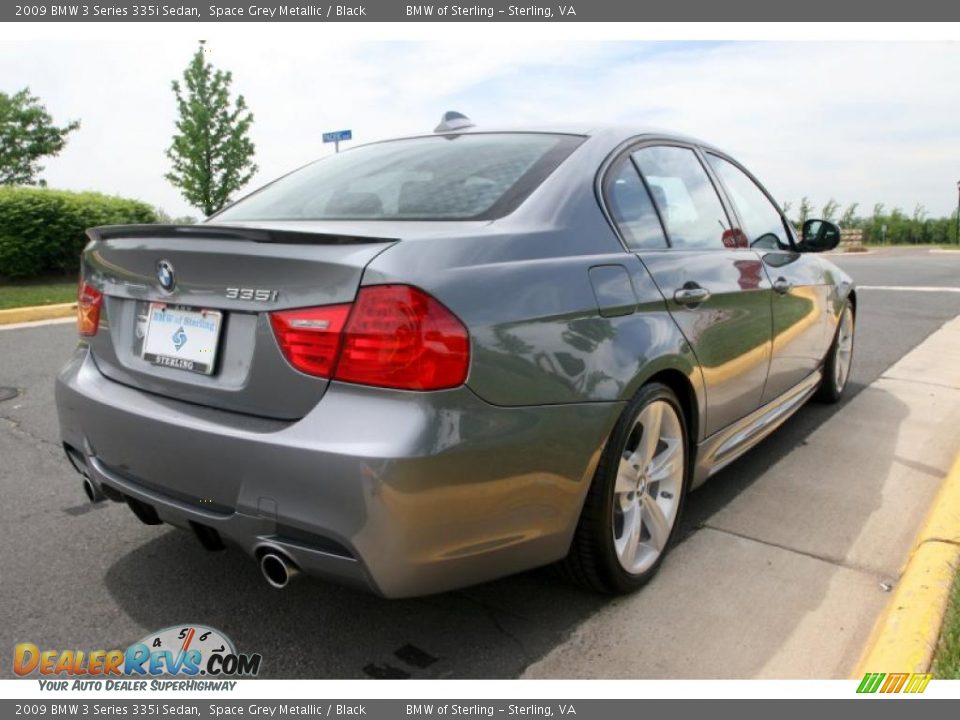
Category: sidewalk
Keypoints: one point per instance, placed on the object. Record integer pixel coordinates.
(788, 579)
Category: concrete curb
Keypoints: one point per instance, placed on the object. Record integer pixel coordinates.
(859, 253)
(906, 634)
(37, 312)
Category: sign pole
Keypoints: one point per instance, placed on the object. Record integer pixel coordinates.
(336, 137)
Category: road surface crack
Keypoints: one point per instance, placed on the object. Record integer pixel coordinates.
(814, 556)
(492, 615)
(18, 430)
(918, 382)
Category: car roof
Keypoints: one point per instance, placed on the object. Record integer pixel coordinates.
(609, 133)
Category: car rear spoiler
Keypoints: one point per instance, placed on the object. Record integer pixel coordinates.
(228, 232)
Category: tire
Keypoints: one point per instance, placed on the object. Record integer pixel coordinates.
(599, 557)
(836, 367)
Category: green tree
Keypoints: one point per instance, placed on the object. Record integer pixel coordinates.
(829, 211)
(27, 134)
(873, 227)
(212, 154)
(164, 218)
(898, 230)
(849, 217)
(804, 211)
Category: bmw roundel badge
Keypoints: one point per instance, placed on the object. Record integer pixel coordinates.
(165, 275)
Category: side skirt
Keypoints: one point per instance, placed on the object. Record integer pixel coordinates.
(725, 446)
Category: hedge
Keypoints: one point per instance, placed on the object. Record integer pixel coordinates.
(42, 231)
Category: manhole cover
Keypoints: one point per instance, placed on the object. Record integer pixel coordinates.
(8, 393)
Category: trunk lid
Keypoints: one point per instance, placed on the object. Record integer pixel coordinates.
(240, 273)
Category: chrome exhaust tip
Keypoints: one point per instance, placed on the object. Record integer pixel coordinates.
(93, 493)
(277, 570)
(77, 460)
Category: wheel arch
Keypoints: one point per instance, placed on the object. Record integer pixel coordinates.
(681, 386)
(692, 403)
(681, 373)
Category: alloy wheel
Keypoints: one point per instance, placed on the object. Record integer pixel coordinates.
(841, 364)
(648, 487)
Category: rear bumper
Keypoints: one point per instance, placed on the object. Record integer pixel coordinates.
(402, 493)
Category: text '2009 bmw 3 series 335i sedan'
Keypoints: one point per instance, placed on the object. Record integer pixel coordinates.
(432, 361)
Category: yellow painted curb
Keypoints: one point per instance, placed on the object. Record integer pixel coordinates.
(905, 637)
(37, 312)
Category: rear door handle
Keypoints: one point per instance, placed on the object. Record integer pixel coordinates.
(691, 295)
(782, 286)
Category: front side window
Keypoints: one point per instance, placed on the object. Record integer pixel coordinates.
(632, 209)
(688, 202)
(762, 222)
(473, 176)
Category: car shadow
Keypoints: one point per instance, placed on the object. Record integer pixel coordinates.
(727, 484)
(313, 629)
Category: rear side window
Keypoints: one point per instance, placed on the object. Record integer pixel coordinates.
(688, 202)
(442, 177)
(632, 209)
(762, 222)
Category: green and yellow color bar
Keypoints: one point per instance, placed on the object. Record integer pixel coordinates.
(894, 682)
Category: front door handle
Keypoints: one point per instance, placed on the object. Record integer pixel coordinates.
(691, 294)
(782, 286)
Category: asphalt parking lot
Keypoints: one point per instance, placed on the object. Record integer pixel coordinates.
(81, 576)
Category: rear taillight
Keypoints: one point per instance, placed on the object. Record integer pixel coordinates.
(310, 338)
(395, 336)
(400, 337)
(89, 302)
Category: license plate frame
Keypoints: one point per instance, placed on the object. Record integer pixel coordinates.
(171, 328)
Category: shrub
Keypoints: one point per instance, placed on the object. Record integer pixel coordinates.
(42, 231)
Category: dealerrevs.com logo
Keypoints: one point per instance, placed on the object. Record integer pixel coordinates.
(179, 651)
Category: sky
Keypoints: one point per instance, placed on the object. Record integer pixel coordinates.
(857, 121)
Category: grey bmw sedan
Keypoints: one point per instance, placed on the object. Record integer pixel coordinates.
(432, 361)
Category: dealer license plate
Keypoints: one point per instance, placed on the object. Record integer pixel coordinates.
(182, 338)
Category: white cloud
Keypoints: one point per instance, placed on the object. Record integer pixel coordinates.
(863, 122)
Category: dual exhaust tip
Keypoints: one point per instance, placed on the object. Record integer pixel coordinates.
(277, 569)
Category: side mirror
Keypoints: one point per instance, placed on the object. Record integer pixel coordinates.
(819, 236)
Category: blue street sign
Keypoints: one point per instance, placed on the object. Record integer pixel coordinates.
(337, 136)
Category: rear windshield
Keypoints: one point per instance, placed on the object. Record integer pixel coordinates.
(443, 177)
